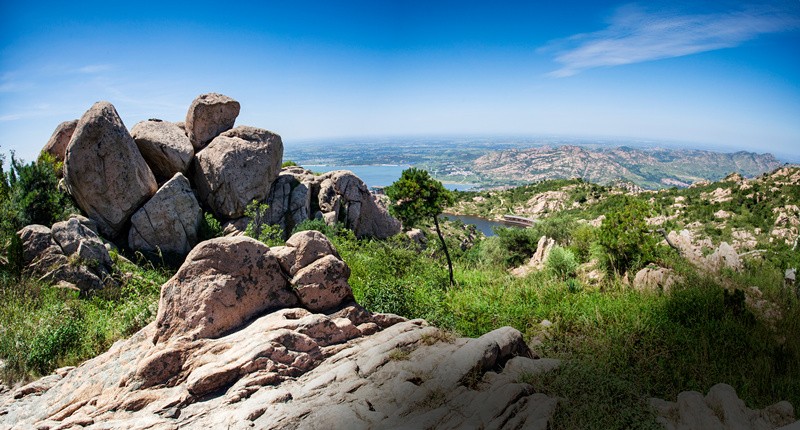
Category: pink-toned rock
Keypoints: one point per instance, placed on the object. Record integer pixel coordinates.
(57, 145)
(223, 283)
(104, 171)
(164, 146)
(208, 116)
(168, 222)
(309, 247)
(322, 285)
(237, 167)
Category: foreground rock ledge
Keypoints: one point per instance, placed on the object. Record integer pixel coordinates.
(223, 361)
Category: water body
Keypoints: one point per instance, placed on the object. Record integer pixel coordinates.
(380, 176)
(483, 224)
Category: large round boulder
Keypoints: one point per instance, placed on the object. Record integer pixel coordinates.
(164, 146)
(168, 222)
(344, 197)
(208, 116)
(223, 283)
(57, 145)
(237, 167)
(104, 170)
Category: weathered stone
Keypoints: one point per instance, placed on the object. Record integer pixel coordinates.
(164, 146)
(720, 409)
(237, 167)
(725, 257)
(35, 240)
(168, 222)
(322, 285)
(654, 279)
(309, 247)
(104, 171)
(208, 116)
(57, 145)
(73, 235)
(539, 258)
(223, 283)
(348, 198)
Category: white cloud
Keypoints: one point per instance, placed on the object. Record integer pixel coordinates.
(92, 69)
(635, 35)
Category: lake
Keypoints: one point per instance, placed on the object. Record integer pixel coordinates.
(483, 224)
(380, 176)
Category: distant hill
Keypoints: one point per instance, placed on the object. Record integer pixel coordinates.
(649, 168)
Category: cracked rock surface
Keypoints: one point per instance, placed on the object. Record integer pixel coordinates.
(234, 346)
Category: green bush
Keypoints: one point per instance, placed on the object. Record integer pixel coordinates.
(625, 236)
(210, 227)
(562, 263)
(258, 228)
(519, 243)
(30, 194)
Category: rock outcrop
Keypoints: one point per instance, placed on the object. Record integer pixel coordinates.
(169, 221)
(70, 254)
(345, 198)
(724, 256)
(655, 279)
(208, 116)
(57, 145)
(164, 146)
(721, 409)
(104, 170)
(114, 177)
(233, 346)
(237, 167)
(538, 259)
(336, 197)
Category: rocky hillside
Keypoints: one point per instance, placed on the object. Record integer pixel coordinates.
(251, 336)
(648, 168)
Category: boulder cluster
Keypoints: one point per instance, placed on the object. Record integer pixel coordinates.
(249, 336)
(146, 189)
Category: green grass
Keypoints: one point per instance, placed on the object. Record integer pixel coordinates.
(620, 347)
(43, 328)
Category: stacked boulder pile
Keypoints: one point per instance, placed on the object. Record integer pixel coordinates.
(249, 336)
(146, 189)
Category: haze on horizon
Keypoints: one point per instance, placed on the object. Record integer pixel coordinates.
(725, 74)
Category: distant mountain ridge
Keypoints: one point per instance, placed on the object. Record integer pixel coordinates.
(651, 168)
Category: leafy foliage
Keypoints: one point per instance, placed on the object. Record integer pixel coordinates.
(210, 227)
(416, 197)
(562, 263)
(258, 228)
(625, 237)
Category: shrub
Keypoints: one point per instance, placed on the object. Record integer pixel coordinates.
(625, 236)
(29, 194)
(258, 228)
(210, 227)
(562, 263)
(518, 243)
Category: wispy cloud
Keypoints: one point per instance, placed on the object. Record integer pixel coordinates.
(92, 69)
(635, 35)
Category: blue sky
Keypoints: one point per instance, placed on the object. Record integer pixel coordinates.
(723, 74)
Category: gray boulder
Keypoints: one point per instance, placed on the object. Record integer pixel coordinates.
(164, 146)
(208, 116)
(168, 222)
(720, 409)
(70, 253)
(57, 145)
(77, 237)
(237, 167)
(104, 171)
(344, 197)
